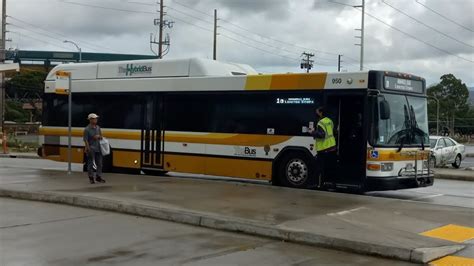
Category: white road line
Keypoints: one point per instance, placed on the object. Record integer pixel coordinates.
(347, 212)
(429, 196)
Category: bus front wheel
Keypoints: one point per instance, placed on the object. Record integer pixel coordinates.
(296, 170)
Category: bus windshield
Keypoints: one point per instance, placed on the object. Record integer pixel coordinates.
(408, 122)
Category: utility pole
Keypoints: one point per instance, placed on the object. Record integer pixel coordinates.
(339, 61)
(160, 41)
(3, 46)
(215, 35)
(307, 62)
(161, 23)
(362, 35)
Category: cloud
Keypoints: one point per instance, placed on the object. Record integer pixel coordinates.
(267, 34)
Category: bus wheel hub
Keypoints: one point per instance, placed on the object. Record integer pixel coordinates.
(297, 171)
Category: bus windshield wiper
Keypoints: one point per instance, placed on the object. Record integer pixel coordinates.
(407, 130)
(415, 128)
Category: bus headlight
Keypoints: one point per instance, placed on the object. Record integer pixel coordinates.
(387, 167)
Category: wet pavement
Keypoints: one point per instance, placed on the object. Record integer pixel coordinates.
(380, 221)
(444, 192)
(33, 233)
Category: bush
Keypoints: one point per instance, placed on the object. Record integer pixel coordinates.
(15, 112)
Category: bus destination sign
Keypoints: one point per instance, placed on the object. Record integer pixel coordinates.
(400, 84)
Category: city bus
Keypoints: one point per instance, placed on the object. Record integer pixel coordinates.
(222, 119)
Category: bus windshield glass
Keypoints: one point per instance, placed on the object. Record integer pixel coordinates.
(408, 122)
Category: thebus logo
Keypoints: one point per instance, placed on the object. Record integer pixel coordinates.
(132, 69)
(245, 151)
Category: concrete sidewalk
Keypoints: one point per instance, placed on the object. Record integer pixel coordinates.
(454, 174)
(20, 155)
(361, 224)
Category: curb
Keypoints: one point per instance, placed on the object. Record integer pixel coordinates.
(455, 177)
(417, 255)
(470, 155)
(19, 156)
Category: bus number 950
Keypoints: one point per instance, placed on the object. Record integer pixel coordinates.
(337, 81)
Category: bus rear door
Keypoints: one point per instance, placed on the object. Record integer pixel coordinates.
(152, 134)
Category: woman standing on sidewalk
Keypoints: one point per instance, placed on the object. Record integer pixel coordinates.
(92, 137)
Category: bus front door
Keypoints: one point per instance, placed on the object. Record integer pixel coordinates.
(152, 135)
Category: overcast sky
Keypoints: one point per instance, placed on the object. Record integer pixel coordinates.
(269, 35)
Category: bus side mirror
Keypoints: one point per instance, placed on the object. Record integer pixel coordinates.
(384, 110)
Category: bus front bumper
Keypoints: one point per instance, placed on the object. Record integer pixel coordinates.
(397, 182)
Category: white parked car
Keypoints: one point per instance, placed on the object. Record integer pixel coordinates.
(445, 150)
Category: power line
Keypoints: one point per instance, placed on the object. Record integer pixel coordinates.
(237, 33)
(108, 8)
(424, 42)
(43, 41)
(408, 34)
(260, 49)
(257, 34)
(197, 26)
(83, 43)
(426, 25)
(188, 7)
(36, 32)
(236, 40)
(443, 16)
(233, 32)
(189, 23)
(189, 15)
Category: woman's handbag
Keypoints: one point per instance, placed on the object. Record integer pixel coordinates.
(104, 146)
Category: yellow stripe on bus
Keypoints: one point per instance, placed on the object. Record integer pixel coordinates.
(126, 159)
(260, 82)
(313, 81)
(219, 166)
(393, 155)
(210, 138)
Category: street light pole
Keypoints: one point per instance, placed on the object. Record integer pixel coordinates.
(437, 113)
(78, 48)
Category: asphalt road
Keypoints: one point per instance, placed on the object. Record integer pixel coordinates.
(443, 192)
(36, 233)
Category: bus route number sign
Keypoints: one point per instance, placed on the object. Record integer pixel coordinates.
(295, 100)
(62, 82)
(400, 84)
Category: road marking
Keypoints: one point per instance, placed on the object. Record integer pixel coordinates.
(453, 261)
(429, 196)
(347, 212)
(451, 232)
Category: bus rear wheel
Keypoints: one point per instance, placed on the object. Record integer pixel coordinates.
(296, 170)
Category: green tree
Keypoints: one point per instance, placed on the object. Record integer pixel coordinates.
(25, 87)
(453, 97)
(15, 112)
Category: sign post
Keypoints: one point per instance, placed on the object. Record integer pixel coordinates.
(64, 86)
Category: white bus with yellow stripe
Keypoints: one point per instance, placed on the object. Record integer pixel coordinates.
(206, 117)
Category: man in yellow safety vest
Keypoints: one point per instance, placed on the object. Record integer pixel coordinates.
(325, 146)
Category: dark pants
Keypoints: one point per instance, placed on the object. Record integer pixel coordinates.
(91, 157)
(326, 164)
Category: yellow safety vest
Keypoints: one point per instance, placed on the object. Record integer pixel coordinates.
(329, 141)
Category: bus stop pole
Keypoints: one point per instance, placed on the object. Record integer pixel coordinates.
(69, 122)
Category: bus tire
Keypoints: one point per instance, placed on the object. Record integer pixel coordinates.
(296, 170)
